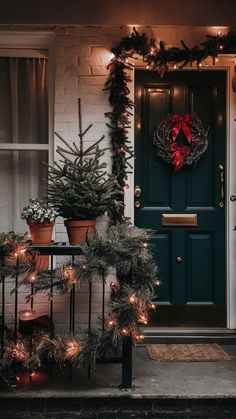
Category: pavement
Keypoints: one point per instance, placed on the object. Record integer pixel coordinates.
(151, 379)
(162, 390)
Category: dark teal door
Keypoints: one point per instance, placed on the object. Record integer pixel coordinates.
(191, 259)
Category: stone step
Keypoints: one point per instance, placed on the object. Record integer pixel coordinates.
(125, 407)
(223, 337)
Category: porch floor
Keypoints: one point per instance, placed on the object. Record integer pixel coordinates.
(154, 382)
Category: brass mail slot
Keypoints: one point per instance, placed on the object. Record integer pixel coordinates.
(179, 220)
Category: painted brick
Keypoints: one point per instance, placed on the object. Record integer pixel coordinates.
(99, 70)
(91, 40)
(79, 50)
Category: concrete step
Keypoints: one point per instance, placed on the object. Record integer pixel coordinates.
(223, 337)
(125, 407)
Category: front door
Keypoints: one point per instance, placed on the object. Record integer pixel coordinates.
(191, 259)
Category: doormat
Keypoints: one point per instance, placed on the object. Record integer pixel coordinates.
(209, 352)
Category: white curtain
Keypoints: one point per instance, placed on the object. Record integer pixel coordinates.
(23, 120)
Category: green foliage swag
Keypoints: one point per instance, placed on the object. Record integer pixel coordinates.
(126, 249)
(160, 59)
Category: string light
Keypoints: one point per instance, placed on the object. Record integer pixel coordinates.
(73, 349)
(70, 274)
(157, 282)
(143, 319)
(132, 299)
(145, 245)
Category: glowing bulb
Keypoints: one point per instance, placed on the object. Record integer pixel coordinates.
(153, 306)
(221, 47)
(147, 66)
(219, 33)
(145, 245)
(216, 60)
(175, 66)
(157, 282)
(132, 299)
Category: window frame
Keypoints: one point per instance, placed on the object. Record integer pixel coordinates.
(32, 44)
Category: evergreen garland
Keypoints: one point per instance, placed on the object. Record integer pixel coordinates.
(158, 58)
(124, 248)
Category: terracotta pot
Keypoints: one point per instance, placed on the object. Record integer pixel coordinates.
(41, 233)
(78, 231)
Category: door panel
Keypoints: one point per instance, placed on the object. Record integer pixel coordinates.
(199, 278)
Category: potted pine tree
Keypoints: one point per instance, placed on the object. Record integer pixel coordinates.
(80, 188)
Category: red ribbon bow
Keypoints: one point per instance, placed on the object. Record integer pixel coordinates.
(181, 123)
(179, 154)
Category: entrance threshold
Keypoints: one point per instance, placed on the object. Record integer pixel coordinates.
(189, 335)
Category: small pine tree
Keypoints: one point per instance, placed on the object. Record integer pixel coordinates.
(79, 185)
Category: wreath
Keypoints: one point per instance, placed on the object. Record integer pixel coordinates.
(193, 144)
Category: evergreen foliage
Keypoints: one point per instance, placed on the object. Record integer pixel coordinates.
(79, 186)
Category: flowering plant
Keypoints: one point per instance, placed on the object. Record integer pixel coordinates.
(39, 211)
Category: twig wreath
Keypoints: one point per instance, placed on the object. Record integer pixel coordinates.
(158, 58)
(166, 140)
(124, 248)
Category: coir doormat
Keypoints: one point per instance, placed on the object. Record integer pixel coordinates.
(209, 352)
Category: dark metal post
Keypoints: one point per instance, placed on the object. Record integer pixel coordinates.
(126, 362)
(90, 319)
(103, 303)
(16, 299)
(127, 347)
(3, 316)
(51, 297)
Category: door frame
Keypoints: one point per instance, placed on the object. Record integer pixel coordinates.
(226, 63)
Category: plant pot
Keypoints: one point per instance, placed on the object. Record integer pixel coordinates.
(42, 261)
(79, 231)
(41, 233)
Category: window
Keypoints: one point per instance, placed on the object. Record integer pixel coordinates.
(24, 132)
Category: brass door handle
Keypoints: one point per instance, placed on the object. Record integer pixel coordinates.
(178, 259)
(222, 181)
(137, 191)
(232, 198)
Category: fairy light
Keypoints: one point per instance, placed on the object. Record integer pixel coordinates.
(145, 245)
(143, 319)
(157, 282)
(32, 278)
(70, 274)
(18, 352)
(153, 306)
(125, 331)
(132, 299)
(175, 67)
(121, 150)
(147, 66)
(73, 348)
(216, 60)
